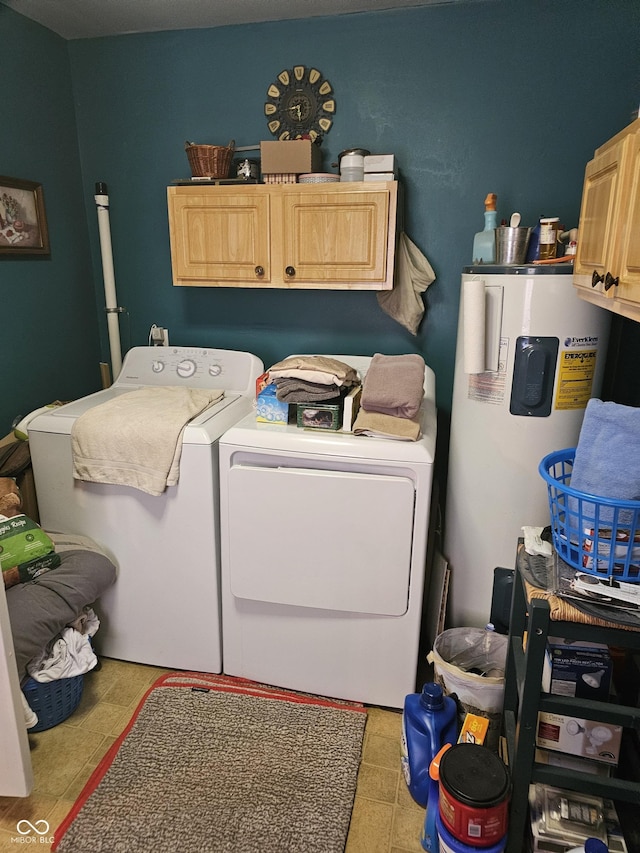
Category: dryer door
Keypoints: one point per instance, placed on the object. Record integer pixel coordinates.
(335, 540)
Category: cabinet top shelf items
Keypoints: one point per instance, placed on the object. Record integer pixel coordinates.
(339, 236)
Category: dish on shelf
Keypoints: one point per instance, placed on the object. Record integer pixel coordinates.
(318, 178)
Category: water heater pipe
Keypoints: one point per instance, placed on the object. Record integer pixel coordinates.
(111, 304)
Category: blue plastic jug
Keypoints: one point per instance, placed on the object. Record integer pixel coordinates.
(429, 720)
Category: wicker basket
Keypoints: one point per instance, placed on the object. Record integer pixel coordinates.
(53, 701)
(209, 161)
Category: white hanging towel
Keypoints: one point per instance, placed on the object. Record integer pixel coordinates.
(135, 439)
(414, 274)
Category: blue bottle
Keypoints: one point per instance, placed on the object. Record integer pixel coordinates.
(533, 248)
(429, 720)
(484, 243)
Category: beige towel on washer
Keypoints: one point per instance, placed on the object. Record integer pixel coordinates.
(135, 439)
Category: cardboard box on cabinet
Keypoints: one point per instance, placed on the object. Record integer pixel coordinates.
(290, 156)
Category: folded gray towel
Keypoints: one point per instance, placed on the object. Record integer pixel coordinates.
(394, 385)
(301, 391)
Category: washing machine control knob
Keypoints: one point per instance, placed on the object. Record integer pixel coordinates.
(186, 368)
(215, 370)
(157, 366)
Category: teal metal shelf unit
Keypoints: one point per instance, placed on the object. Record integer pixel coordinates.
(523, 699)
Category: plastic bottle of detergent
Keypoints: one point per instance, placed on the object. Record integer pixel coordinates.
(429, 720)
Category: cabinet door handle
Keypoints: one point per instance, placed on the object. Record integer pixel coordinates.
(610, 281)
(290, 272)
(595, 278)
(259, 271)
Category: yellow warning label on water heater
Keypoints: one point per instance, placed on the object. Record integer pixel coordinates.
(575, 378)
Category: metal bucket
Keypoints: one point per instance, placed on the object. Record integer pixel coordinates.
(511, 244)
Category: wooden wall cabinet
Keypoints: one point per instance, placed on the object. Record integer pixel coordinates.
(607, 265)
(338, 236)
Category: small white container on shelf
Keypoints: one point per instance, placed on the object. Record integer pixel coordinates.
(352, 167)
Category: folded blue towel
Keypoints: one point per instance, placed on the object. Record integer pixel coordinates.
(607, 459)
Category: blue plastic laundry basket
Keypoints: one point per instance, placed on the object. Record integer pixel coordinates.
(53, 701)
(596, 535)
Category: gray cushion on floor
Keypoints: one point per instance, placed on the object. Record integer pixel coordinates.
(40, 609)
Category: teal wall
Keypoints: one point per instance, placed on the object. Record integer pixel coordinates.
(48, 323)
(504, 96)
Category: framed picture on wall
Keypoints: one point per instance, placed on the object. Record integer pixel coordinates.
(23, 221)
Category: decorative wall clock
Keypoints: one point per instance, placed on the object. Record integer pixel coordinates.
(300, 103)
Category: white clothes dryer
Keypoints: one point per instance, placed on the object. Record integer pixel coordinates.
(164, 608)
(324, 545)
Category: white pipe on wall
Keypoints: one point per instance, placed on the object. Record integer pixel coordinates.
(112, 309)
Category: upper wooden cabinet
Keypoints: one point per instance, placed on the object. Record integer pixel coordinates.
(607, 265)
(338, 236)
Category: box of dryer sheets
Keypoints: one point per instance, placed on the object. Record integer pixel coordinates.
(587, 738)
(261, 382)
(296, 156)
(270, 410)
(576, 668)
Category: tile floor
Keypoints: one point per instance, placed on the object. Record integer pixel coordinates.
(385, 819)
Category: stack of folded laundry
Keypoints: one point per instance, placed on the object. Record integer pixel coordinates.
(392, 394)
(311, 378)
(314, 388)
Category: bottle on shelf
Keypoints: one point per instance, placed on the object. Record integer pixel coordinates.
(484, 243)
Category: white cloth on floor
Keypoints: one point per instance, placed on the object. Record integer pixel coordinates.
(135, 439)
(68, 656)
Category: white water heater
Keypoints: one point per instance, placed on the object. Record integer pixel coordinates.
(530, 353)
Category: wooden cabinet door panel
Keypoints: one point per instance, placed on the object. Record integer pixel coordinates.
(628, 268)
(335, 237)
(600, 199)
(220, 237)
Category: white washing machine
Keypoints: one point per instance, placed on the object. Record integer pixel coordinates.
(164, 608)
(324, 544)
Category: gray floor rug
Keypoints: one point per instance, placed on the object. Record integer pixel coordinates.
(222, 765)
